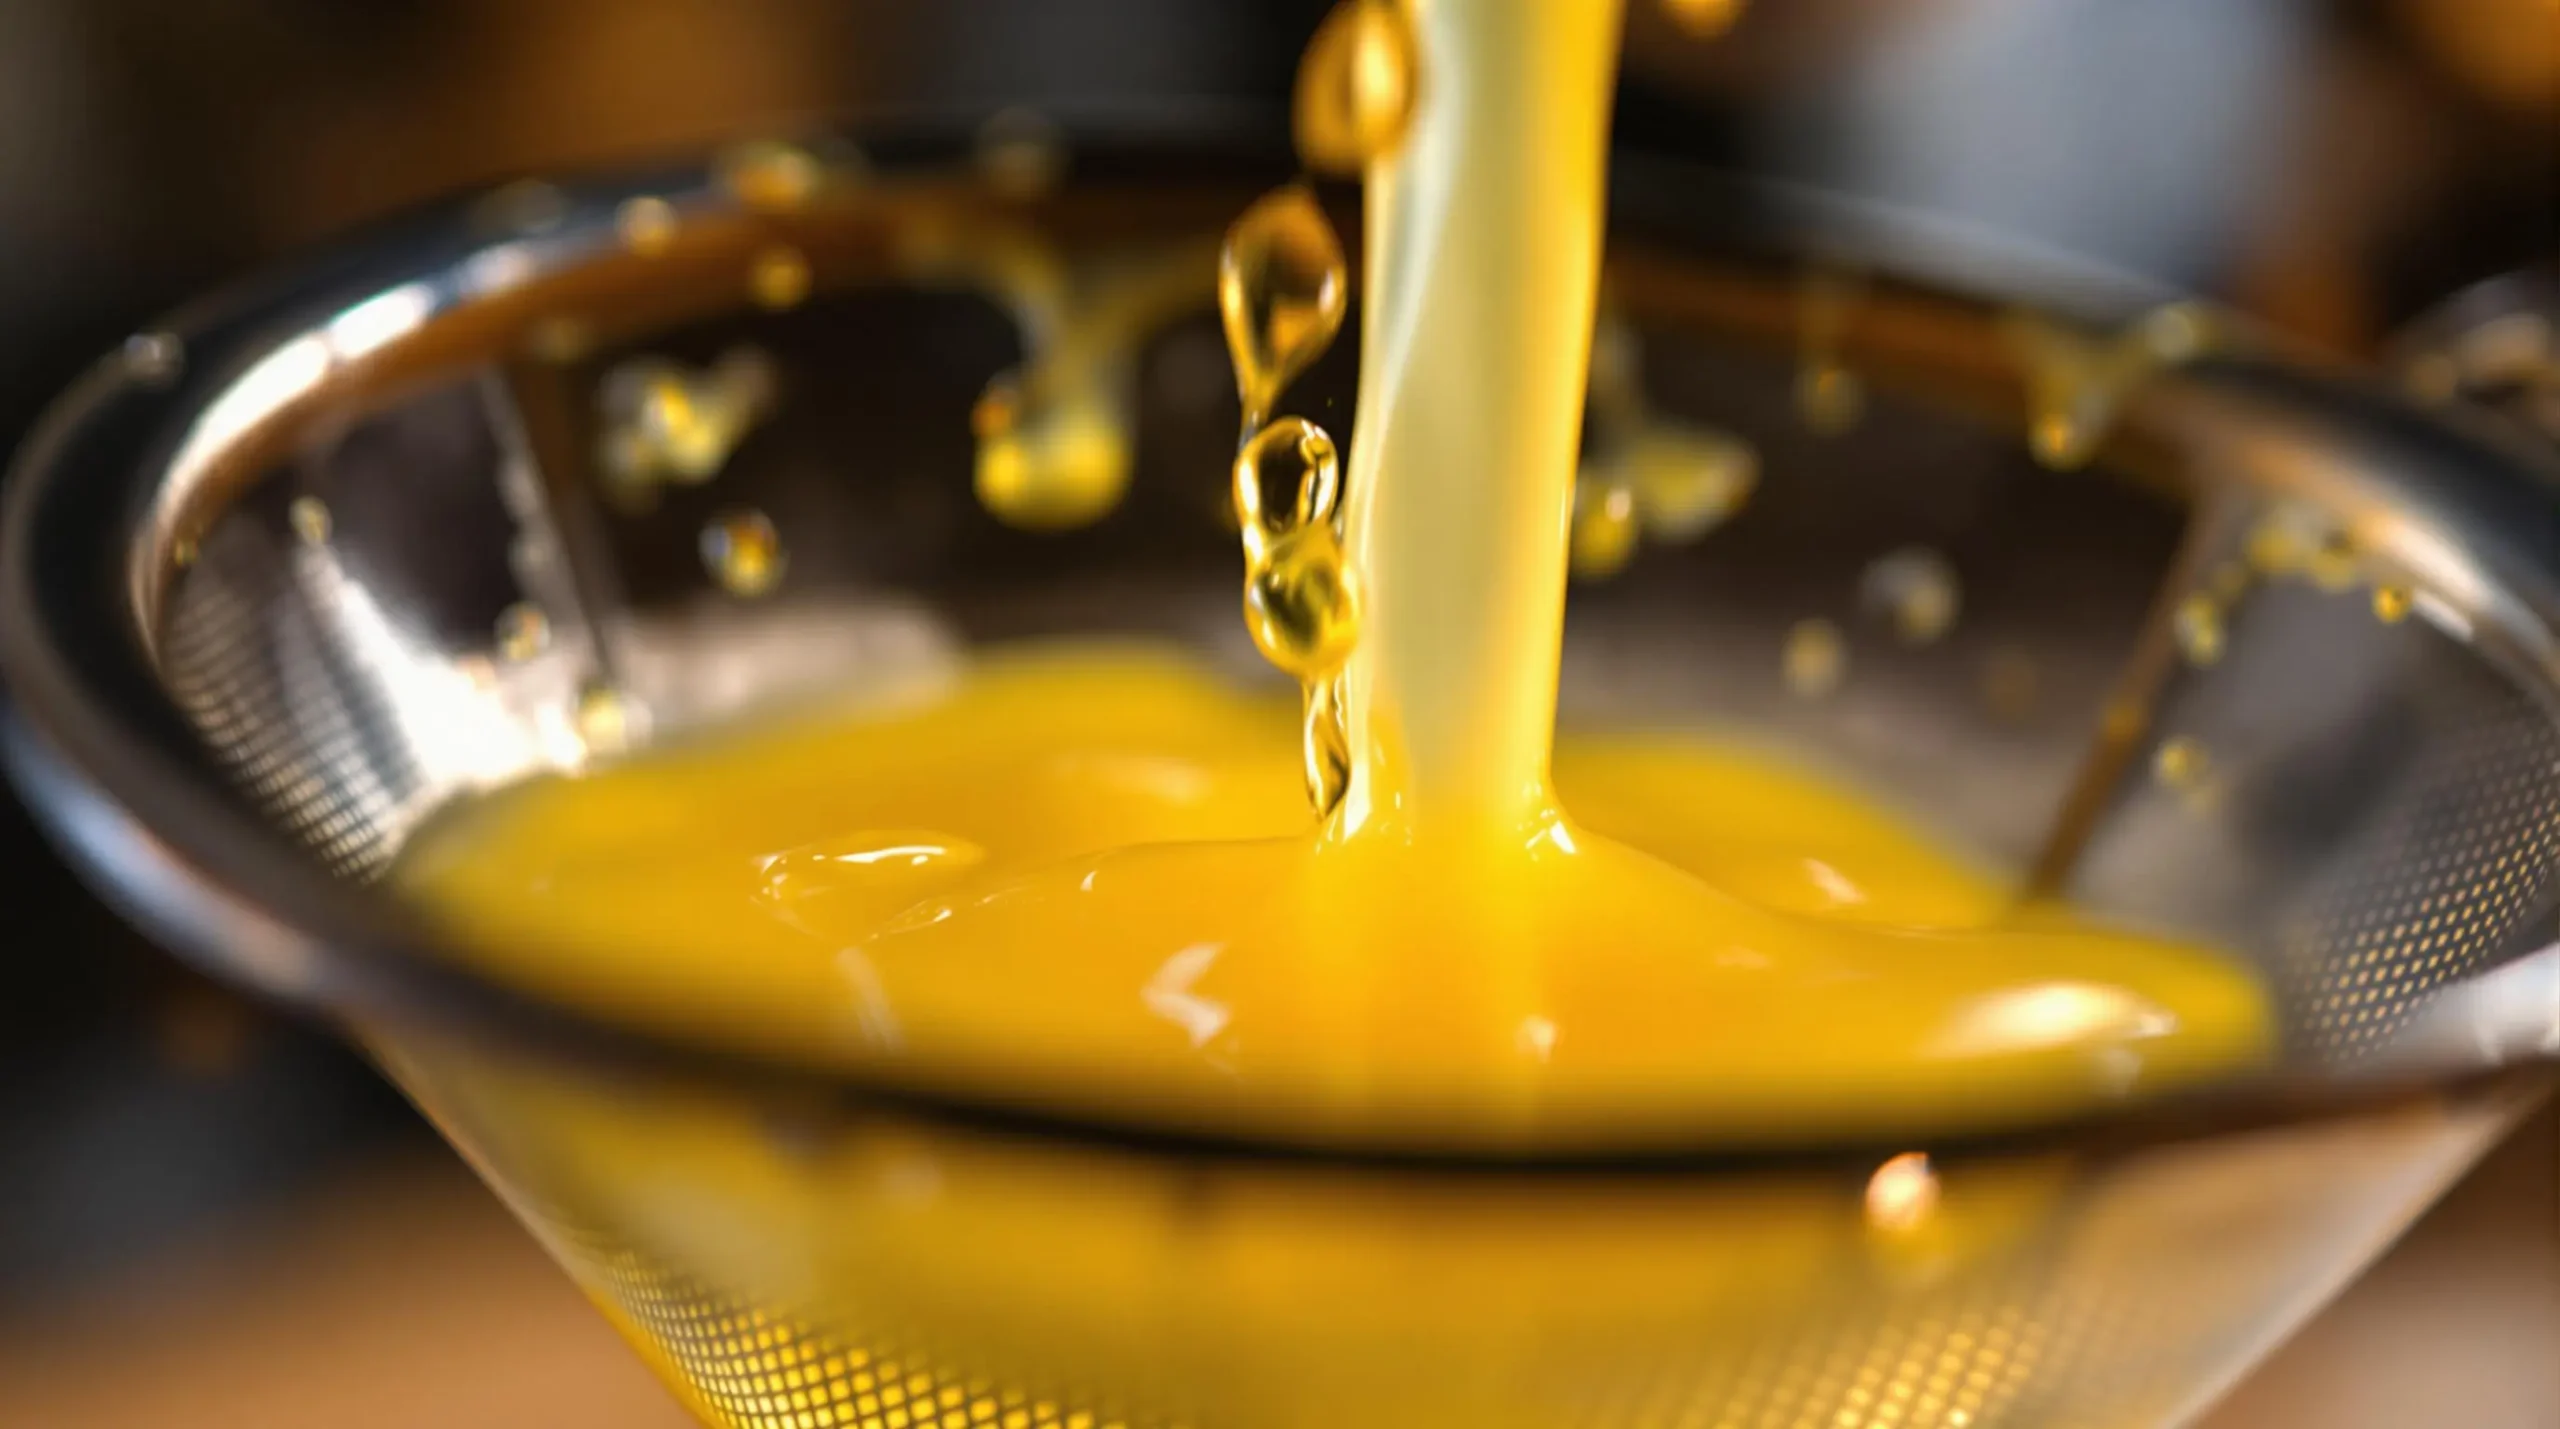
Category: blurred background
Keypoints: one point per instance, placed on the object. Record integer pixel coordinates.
(214, 1217)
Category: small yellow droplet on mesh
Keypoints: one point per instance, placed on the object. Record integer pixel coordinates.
(309, 518)
(647, 225)
(523, 632)
(1355, 86)
(2392, 603)
(743, 552)
(2198, 628)
(1815, 660)
(779, 278)
(2334, 566)
(2181, 764)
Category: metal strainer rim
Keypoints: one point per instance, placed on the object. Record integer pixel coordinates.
(161, 837)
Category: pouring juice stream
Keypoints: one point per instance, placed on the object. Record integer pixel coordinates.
(1088, 880)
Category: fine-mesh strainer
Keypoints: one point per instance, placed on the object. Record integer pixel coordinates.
(294, 573)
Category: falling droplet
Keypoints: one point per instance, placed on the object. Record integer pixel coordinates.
(1300, 605)
(1050, 464)
(647, 225)
(1281, 293)
(1355, 86)
(2197, 626)
(2392, 603)
(523, 632)
(771, 175)
(1605, 527)
(1816, 658)
(743, 552)
(1916, 589)
(1021, 152)
(779, 278)
(309, 519)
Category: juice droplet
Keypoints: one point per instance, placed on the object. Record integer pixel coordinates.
(743, 552)
(647, 225)
(2333, 566)
(1688, 480)
(2197, 626)
(182, 552)
(771, 175)
(1049, 463)
(2077, 382)
(1916, 589)
(2181, 764)
(1355, 86)
(1021, 153)
(1300, 604)
(309, 518)
(664, 424)
(779, 278)
(1605, 526)
(2284, 541)
(608, 721)
(2392, 603)
(1816, 659)
(523, 632)
(1281, 294)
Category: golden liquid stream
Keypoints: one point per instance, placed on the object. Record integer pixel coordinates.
(1087, 879)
